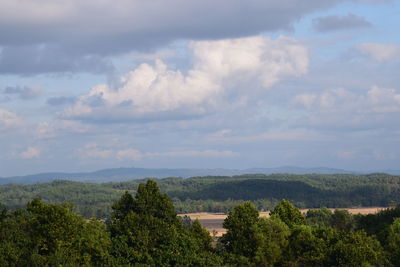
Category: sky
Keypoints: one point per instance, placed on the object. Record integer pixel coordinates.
(88, 85)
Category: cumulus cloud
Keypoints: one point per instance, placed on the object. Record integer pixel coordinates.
(379, 52)
(220, 69)
(9, 120)
(31, 153)
(94, 151)
(23, 92)
(336, 23)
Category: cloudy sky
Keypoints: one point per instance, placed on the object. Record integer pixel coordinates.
(93, 84)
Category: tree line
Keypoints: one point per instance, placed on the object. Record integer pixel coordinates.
(144, 230)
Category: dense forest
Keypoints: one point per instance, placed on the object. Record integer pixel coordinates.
(219, 193)
(144, 230)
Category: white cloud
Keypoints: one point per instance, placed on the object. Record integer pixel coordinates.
(220, 69)
(31, 152)
(379, 52)
(9, 120)
(259, 58)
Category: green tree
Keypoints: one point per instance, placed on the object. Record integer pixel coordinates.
(3, 212)
(240, 238)
(342, 220)
(146, 230)
(52, 235)
(272, 241)
(305, 248)
(319, 217)
(356, 249)
(150, 202)
(288, 213)
(201, 235)
(15, 245)
(394, 242)
(123, 206)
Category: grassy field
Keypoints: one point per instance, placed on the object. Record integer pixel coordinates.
(213, 221)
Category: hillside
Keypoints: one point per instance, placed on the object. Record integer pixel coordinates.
(220, 193)
(127, 174)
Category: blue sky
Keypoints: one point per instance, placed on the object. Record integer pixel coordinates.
(198, 84)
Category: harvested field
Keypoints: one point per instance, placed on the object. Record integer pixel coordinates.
(213, 221)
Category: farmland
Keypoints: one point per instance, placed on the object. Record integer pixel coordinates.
(213, 221)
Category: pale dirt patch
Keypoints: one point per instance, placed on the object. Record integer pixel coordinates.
(213, 221)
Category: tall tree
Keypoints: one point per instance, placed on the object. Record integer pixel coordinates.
(52, 235)
(288, 213)
(272, 241)
(241, 230)
(394, 242)
(146, 230)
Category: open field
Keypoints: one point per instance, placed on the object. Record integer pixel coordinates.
(213, 221)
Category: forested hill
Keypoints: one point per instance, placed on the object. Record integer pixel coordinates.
(127, 174)
(219, 193)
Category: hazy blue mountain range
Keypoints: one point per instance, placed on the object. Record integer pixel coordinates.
(126, 174)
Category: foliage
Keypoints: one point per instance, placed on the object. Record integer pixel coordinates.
(356, 249)
(377, 224)
(319, 217)
(288, 213)
(305, 248)
(393, 241)
(241, 230)
(272, 240)
(342, 220)
(144, 230)
(51, 235)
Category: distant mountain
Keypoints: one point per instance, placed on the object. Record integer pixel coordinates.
(117, 174)
(126, 174)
